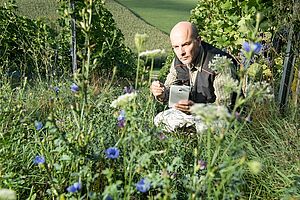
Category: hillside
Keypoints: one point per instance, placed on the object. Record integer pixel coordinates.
(130, 24)
(162, 14)
(127, 21)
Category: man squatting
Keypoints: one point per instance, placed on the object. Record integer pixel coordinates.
(190, 67)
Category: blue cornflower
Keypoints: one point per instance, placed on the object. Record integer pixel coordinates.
(74, 87)
(246, 46)
(112, 152)
(255, 47)
(121, 123)
(39, 160)
(56, 90)
(75, 187)
(108, 198)
(128, 89)
(38, 125)
(143, 185)
(121, 119)
(202, 164)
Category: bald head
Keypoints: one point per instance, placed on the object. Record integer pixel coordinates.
(185, 28)
(185, 41)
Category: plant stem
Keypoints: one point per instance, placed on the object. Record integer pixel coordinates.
(137, 73)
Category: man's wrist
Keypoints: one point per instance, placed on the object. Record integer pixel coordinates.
(160, 98)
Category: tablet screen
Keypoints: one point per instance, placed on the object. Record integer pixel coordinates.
(177, 93)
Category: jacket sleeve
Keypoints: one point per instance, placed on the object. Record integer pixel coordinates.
(171, 78)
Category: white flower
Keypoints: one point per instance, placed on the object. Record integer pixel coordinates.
(210, 112)
(152, 53)
(123, 100)
(226, 86)
(221, 64)
(8, 194)
(260, 91)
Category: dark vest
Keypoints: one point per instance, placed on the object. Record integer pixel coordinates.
(203, 90)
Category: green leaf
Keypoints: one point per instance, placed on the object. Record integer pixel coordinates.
(57, 166)
(226, 6)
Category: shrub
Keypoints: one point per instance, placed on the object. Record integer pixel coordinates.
(224, 24)
(30, 47)
(105, 39)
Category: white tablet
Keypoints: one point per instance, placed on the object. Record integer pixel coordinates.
(177, 93)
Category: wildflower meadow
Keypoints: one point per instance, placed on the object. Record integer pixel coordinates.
(89, 133)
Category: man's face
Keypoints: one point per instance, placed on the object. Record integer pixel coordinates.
(185, 46)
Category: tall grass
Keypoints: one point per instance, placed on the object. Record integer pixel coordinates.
(74, 138)
(273, 139)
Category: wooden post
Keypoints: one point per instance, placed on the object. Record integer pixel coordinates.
(287, 75)
(73, 48)
(297, 91)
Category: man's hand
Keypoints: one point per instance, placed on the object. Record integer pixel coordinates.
(184, 105)
(157, 89)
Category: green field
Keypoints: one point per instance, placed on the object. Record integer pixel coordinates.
(130, 24)
(161, 13)
(37, 8)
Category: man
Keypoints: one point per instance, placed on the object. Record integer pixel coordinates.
(189, 67)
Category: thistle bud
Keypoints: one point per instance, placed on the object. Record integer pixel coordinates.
(259, 17)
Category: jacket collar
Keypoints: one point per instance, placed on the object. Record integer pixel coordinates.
(198, 62)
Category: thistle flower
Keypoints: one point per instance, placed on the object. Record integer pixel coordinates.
(259, 17)
(74, 87)
(140, 40)
(143, 185)
(39, 160)
(38, 125)
(123, 100)
(112, 152)
(254, 166)
(75, 187)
